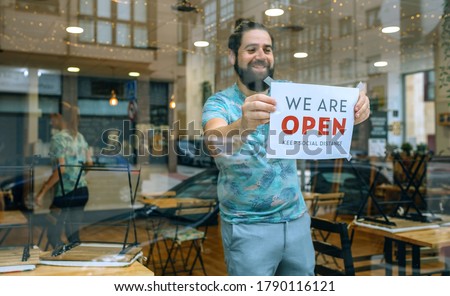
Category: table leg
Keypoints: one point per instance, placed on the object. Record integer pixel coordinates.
(401, 258)
(446, 252)
(415, 260)
(388, 256)
(7, 231)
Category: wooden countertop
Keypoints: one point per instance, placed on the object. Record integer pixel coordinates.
(135, 269)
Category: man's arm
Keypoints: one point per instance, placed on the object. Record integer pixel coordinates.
(221, 137)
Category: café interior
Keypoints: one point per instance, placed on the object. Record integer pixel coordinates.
(139, 73)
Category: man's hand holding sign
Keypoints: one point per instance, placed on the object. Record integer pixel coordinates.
(313, 121)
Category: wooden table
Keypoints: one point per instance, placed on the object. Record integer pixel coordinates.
(135, 269)
(12, 218)
(9, 220)
(169, 202)
(434, 238)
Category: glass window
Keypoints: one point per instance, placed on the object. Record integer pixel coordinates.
(104, 8)
(226, 10)
(123, 35)
(372, 18)
(104, 32)
(89, 31)
(345, 26)
(210, 20)
(140, 36)
(124, 10)
(429, 86)
(87, 7)
(140, 11)
(121, 23)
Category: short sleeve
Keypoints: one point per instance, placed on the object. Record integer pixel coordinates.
(57, 149)
(215, 107)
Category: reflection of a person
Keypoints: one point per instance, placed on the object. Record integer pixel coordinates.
(157, 142)
(68, 147)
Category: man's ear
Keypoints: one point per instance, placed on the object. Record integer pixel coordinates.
(231, 57)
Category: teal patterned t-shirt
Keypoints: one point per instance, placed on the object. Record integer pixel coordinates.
(251, 187)
(73, 150)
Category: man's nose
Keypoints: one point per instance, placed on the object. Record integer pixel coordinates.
(260, 53)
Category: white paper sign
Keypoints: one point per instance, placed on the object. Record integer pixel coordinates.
(311, 121)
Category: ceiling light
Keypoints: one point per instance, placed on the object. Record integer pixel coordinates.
(74, 30)
(172, 104)
(113, 101)
(274, 12)
(380, 64)
(134, 74)
(390, 29)
(73, 69)
(300, 55)
(201, 43)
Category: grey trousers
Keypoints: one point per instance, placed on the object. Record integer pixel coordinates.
(269, 248)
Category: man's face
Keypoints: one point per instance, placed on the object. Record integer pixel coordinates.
(255, 60)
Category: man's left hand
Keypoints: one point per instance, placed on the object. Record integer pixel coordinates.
(362, 107)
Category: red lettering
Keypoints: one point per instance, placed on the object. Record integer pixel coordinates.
(337, 126)
(284, 124)
(323, 126)
(308, 124)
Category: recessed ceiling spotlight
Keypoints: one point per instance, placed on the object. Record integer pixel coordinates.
(201, 43)
(390, 29)
(274, 12)
(74, 30)
(300, 55)
(380, 64)
(134, 74)
(73, 69)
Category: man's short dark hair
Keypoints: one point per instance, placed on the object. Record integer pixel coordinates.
(240, 27)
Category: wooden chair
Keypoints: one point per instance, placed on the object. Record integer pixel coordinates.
(326, 204)
(187, 231)
(340, 251)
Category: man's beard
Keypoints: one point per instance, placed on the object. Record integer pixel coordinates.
(253, 81)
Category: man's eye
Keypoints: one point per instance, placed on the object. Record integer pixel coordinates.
(268, 50)
(251, 50)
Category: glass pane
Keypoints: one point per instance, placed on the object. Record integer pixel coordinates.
(124, 10)
(123, 35)
(87, 7)
(140, 37)
(140, 11)
(88, 34)
(104, 8)
(104, 32)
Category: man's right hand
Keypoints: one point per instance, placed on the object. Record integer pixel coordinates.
(256, 111)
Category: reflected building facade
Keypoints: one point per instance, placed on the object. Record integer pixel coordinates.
(343, 40)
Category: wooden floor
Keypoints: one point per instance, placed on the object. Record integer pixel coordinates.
(213, 255)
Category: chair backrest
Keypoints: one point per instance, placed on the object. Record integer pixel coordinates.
(196, 213)
(327, 201)
(340, 251)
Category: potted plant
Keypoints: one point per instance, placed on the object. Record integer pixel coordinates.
(421, 148)
(406, 148)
